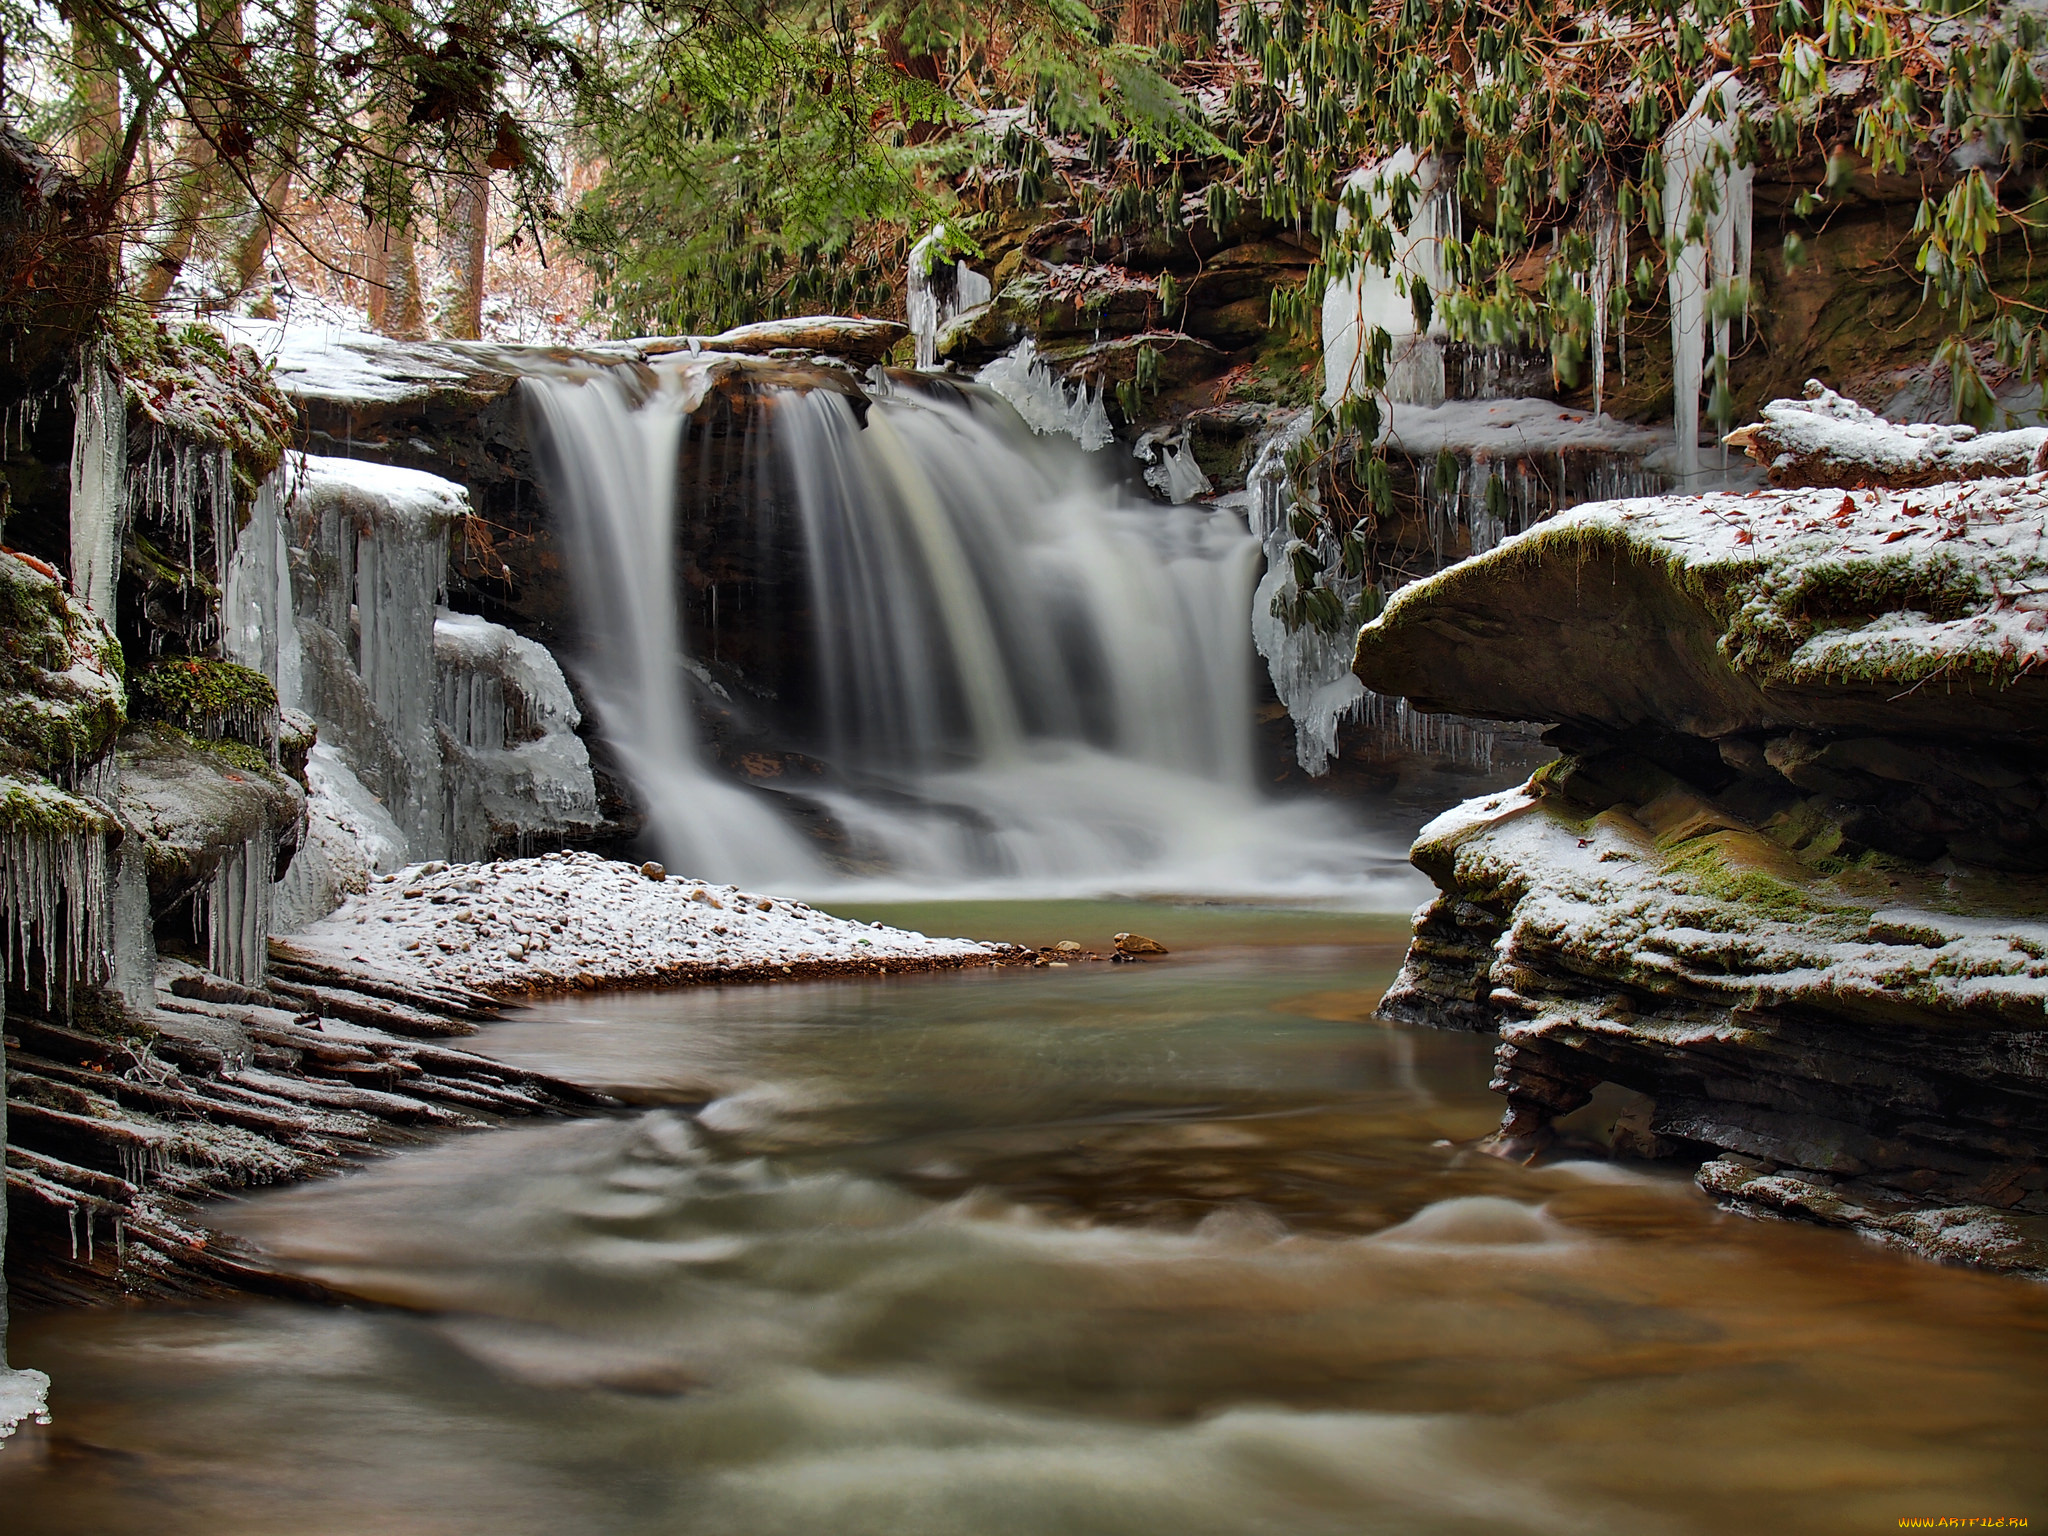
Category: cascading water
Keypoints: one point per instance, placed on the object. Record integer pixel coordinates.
(612, 462)
(1026, 679)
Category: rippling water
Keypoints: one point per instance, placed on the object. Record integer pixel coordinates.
(1190, 1247)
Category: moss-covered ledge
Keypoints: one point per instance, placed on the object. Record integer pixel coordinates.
(1920, 612)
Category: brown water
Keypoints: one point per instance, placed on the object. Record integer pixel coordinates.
(1191, 1247)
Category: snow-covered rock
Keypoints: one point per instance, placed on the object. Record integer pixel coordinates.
(568, 920)
(1828, 439)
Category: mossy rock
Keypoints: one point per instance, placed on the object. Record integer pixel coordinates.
(61, 700)
(208, 697)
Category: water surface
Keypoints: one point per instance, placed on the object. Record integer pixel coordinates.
(1188, 1247)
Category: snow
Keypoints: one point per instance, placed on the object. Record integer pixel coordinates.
(1047, 404)
(1502, 427)
(1989, 535)
(1605, 890)
(1368, 298)
(1828, 436)
(566, 920)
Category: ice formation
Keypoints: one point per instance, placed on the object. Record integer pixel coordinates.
(349, 836)
(1170, 467)
(134, 934)
(24, 1394)
(259, 625)
(940, 289)
(1047, 403)
(515, 763)
(238, 905)
(1698, 147)
(1310, 667)
(99, 482)
(53, 899)
(377, 544)
(1368, 297)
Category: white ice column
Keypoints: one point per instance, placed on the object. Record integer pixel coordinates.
(1698, 149)
(1369, 298)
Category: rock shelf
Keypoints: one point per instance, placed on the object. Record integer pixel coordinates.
(1787, 886)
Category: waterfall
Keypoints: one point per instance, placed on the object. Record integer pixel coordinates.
(1027, 678)
(611, 463)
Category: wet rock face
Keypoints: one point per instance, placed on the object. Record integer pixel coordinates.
(1806, 927)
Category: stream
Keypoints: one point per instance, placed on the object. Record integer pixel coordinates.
(1193, 1246)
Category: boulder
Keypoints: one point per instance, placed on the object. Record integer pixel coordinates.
(1891, 612)
(192, 803)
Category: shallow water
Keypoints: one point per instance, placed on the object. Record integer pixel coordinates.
(1187, 1247)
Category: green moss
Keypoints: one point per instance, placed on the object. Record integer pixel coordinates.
(236, 754)
(200, 694)
(1283, 371)
(1709, 872)
(36, 808)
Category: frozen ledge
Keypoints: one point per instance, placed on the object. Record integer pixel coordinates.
(563, 921)
(24, 1396)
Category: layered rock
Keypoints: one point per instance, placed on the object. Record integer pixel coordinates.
(1787, 883)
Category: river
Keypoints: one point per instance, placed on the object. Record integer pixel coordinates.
(1190, 1247)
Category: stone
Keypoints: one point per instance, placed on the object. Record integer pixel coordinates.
(1138, 944)
(653, 871)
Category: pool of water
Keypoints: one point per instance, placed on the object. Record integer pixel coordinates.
(1187, 1247)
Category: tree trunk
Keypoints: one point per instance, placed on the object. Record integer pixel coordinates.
(397, 308)
(254, 246)
(465, 245)
(198, 175)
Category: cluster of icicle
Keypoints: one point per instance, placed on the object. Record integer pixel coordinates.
(514, 760)
(238, 907)
(939, 290)
(177, 481)
(1695, 147)
(1046, 402)
(441, 734)
(1473, 511)
(1310, 667)
(1369, 298)
(53, 899)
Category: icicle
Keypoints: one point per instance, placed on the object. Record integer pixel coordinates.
(1369, 298)
(1045, 402)
(53, 898)
(939, 290)
(238, 912)
(99, 470)
(1606, 236)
